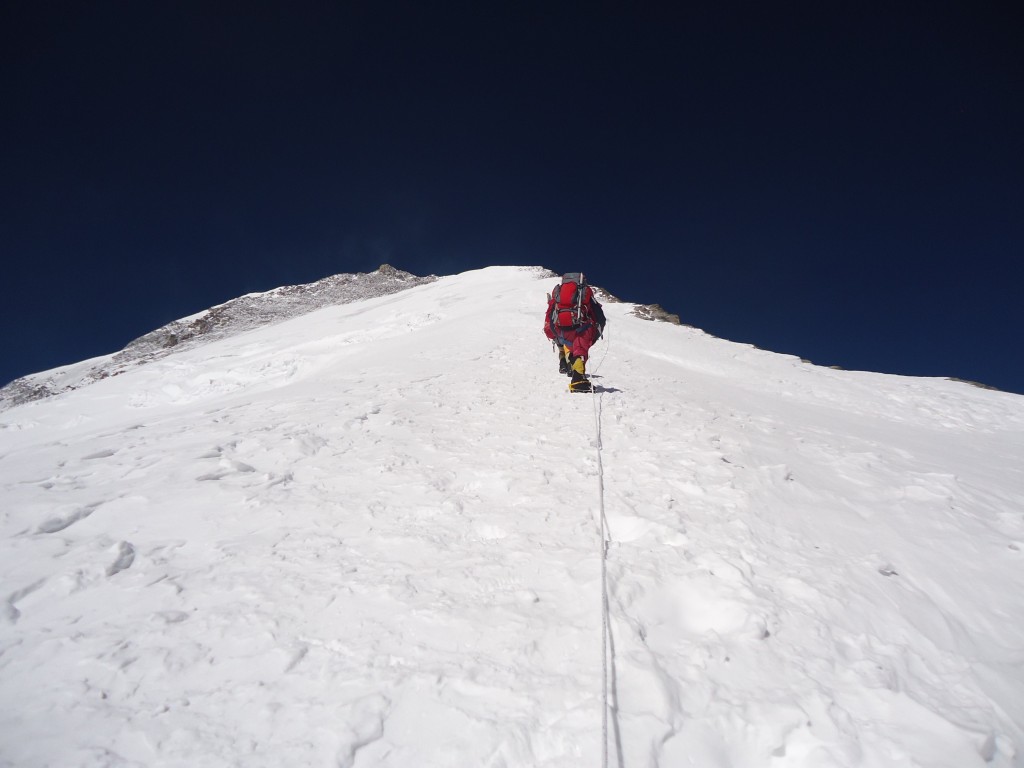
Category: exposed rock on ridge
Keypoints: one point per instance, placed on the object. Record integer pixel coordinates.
(656, 312)
(233, 317)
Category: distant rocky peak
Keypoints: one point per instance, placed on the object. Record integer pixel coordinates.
(239, 315)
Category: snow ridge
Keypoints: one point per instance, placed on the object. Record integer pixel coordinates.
(369, 536)
(220, 322)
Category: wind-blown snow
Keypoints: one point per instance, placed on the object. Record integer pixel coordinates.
(369, 536)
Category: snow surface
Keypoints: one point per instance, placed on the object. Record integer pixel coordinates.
(369, 536)
(245, 313)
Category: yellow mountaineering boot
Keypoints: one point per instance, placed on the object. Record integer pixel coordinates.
(579, 381)
(563, 361)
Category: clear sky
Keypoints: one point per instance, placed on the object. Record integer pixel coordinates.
(842, 182)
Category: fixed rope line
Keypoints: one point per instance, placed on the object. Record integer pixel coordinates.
(608, 683)
(604, 593)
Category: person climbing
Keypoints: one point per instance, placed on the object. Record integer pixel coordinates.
(574, 321)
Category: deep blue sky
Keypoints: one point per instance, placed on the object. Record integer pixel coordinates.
(836, 181)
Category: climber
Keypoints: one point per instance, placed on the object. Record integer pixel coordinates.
(574, 322)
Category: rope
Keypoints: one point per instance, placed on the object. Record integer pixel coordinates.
(604, 592)
(604, 354)
(609, 691)
(608, 684)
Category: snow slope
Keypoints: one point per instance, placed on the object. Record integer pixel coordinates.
(245, 313)
(369, 536)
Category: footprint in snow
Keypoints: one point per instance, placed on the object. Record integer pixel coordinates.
(171, 617)
(125, 557)
(228, 467)
(701, 605)
(55, 524)
(10, 610)
(624, 529)
(99, 455)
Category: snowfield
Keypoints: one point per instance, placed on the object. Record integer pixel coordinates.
(370, 536)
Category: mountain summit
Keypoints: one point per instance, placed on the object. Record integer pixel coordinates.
(369, 534)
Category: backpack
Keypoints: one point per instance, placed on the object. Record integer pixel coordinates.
(571, 302)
